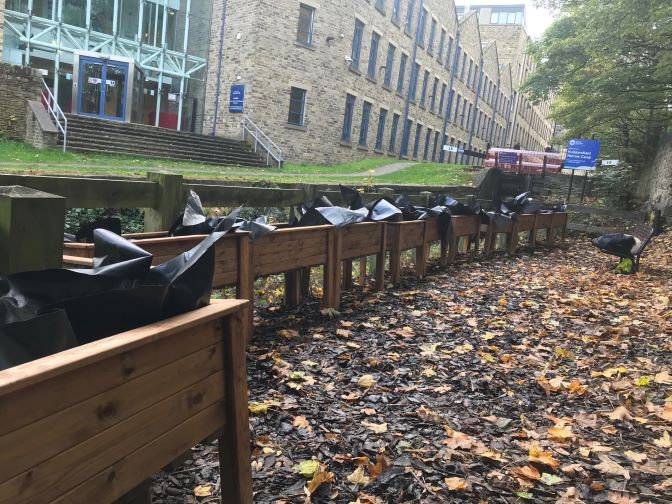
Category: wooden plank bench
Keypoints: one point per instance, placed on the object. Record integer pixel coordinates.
(92, 423)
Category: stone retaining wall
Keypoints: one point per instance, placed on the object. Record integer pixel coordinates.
(17, 86)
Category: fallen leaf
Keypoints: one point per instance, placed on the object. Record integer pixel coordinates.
(344, 333)
(428, 349)
(529, 472)
(663, 377)
(366, 381)
(203, 490)
(377, 428)
(664, 441)
(358, 477)
(456, 484)
(550, 479)
(635, 457)
(525, 495)
(301, 422)
(318, 480)
(621, 498)
(621, 413)
(288, 333)
(608, 466)
(543, 457)
(380, 466)
(559, 434)
(307, 468)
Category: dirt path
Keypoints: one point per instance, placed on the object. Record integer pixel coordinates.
(387, 169)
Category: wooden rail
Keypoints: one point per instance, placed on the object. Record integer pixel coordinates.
(291, 251)
(90, 424)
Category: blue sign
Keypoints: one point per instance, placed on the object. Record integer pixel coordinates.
(237, 98)
(508, 157)
(582, 154)
(460, 150)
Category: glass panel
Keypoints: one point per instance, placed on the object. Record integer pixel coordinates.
(17, 5)
(74, 13)
(494, 18)
(102, 16)
(92, 78)
(511, 18)
(43, 8)
(128, 19)
(305, 30)
(115, 91)
(297, 99)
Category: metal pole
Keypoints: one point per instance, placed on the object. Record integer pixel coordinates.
(184, 66)
(87, 36)
(57, 59)
(163, 55)
(115, 17)
(583, 189)
(218, 85)
(571, 183)
(473, 119)
(451, 94)
(141, 7)
(29, 31)
(405, 137)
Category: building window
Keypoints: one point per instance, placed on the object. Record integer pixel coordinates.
(405, 138)
(428, 139)
(393, 133)
(402, 73)
(396, 12)
(442, 43)
(443, 96)
(457, 109)
(425, 83)
(305, 32)
(297, 106)
(346, 136)
(464, 110)
(373, 55)
(416, 144)
(471, 69)
(364, 130)
(357, 44)
(380, 5)
(432, 34)
(506, 16)
(415, 75)
(381, 129)
(449, 52)
(436, 144)
(435, 90)
(387, 81)
(464, 66)
(423, 25)
(476, 79)
(409, 16)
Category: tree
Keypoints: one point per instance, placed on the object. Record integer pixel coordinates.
(609, 65)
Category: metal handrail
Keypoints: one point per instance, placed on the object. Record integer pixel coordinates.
(262, 139)
(56, 113)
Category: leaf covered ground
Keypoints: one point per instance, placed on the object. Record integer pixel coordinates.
(540, 378)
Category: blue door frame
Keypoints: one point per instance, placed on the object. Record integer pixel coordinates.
(103, 89)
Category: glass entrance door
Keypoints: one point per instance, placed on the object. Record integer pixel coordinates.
(102, 88)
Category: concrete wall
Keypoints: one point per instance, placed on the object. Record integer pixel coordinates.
(17, 86)
(660, 186)
(259, 50)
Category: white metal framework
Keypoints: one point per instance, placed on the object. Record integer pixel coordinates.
(56, 37)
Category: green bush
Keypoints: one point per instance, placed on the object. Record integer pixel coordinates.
(617, 185)
(132, 219)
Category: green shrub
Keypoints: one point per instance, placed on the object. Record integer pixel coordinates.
(132, 219)
(617, 184)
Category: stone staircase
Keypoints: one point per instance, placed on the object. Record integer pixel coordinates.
(87, 134)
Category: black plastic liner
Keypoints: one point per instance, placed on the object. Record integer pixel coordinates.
(85, 233)
(618, 244)
(44, 312)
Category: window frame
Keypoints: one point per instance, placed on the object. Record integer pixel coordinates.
(403, 64)
(389, 65)
(292, 100)
(371, 70)
(348, 116)
(356, 53)
(311, 32)
(364, 124)
(394, 132)
(380, 131)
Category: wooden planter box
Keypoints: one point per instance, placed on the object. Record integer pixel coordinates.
(406, 236)
(359, 242)
(90, 424)
(467, 226)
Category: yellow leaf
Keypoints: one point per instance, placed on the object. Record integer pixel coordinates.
(203, 491)
(288, 333)
(377, 428)
(456, 484)
(543, 457)
(307, 468)
(261, 408)
(358, 477)
(366, 381)
(428, 373)
(559, 434)
(664, 441)
(644, 381)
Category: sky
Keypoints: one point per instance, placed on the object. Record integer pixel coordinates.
(537, 19)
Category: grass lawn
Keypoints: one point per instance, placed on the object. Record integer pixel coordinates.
(20, 157)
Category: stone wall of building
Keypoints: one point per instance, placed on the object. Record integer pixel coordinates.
(17, 86)
(260, 50)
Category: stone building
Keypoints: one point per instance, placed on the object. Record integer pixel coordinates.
(326, 81)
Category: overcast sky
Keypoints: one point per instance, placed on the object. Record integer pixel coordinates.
(537, 19)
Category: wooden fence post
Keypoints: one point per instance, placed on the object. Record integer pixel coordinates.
(169, 204)
(31, 230)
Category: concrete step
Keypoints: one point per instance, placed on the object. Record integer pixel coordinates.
(87, 134)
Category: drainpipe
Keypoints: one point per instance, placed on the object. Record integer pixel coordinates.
(185, 48)
(451, 93)
(494, 113)
(473, 119)
(406, 134)
(508, 121)
(219, 68)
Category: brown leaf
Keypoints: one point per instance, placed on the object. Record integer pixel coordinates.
(664, 441)
(377, 428)
(543, 457)
(381, 466)
(663, 377)
(621, 498)
(559, 434)
(619, 414)
(635, 457)
(610, 467)
(456, 484)
(301, 422)
(366, 381)
(359, 477)
(318, 480)
(428, 415)
(528, 472)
